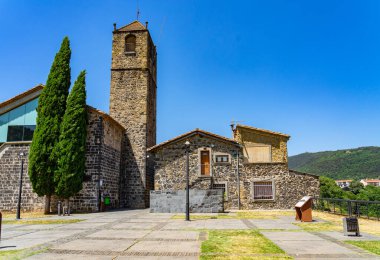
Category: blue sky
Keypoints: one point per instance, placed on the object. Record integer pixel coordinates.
(310, 69)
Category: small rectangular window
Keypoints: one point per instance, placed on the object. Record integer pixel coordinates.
(263, 190)
(221, 186)
(223, 158)
(15, 133)
(18, 133)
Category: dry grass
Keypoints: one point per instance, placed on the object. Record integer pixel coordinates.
(25, 215)
(371, 246)
(366, 225)
(42, 221)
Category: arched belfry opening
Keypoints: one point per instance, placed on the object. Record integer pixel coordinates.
(130, 43)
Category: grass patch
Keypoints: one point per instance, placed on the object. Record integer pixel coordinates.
(42, 221)
(371, 246)
(366, 225)
(25, 215)
(316, 227)
(10, 254)
(240, 244)
(19, 254)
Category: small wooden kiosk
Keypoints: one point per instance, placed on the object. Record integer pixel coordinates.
(303, 209)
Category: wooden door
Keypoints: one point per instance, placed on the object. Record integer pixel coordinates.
(205, 163)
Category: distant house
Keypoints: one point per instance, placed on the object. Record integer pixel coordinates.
(372, 182)
(343, 183)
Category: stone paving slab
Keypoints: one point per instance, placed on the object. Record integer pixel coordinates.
(166, 246)
(294, 243)
(224, 224)
(92, 245)
(313, 247)
(158, 257)
(10, 226)
(341, 237)
(81, 225)
(51, 234)
(181, 224)
(291, 236)
(51, 256)
(13, 233)
(133, 225)
(40, 227)
(124, 234)
(273, 224)
(173, 235)
(22, 243)
(100, 220)
(145, 220)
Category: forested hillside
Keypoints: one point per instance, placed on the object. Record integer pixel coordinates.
(359, 163)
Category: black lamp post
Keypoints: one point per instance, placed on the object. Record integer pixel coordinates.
(187, 143)
(20, 156)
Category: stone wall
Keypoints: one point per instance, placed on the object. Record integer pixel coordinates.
(103, 157)
(133, 105)
(103, 162)
(10, 167)
(278, 143)
(170, 174)
(201, 201)
(290, 186)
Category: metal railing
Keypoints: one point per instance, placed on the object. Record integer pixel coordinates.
(358, 208)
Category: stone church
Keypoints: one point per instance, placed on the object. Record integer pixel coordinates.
(123, 162)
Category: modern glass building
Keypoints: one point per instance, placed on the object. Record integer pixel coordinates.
(18, 117)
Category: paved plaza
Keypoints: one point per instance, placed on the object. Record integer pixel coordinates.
(138, 234)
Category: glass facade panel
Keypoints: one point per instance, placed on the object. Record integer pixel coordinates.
(31, 112)
(19, 123)
(3, 127)
(28, 132)
(16, 116)
(15, 133)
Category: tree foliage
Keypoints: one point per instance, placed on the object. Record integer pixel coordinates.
(50, 111)
(356, 191)
(72, 142)
(359, 163)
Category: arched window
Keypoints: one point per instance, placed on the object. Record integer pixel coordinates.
(130, 43)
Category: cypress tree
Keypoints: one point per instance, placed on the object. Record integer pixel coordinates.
(50, 111)
(72, 143)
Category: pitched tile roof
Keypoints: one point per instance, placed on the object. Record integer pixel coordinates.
(262, 130)
(191, 133)
(105, 115)
(303, 173)
(133, 26)
(21, 96)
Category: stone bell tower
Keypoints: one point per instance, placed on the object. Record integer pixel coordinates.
(133, 105)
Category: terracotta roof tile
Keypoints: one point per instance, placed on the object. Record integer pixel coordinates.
(104, 114)
(134, 26)
(372, 180)
(194, 132)
(263, 130)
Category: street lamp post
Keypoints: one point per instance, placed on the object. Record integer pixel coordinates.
(187, 143)
(21, 156)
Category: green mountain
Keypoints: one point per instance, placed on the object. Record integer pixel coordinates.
(359, 163)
